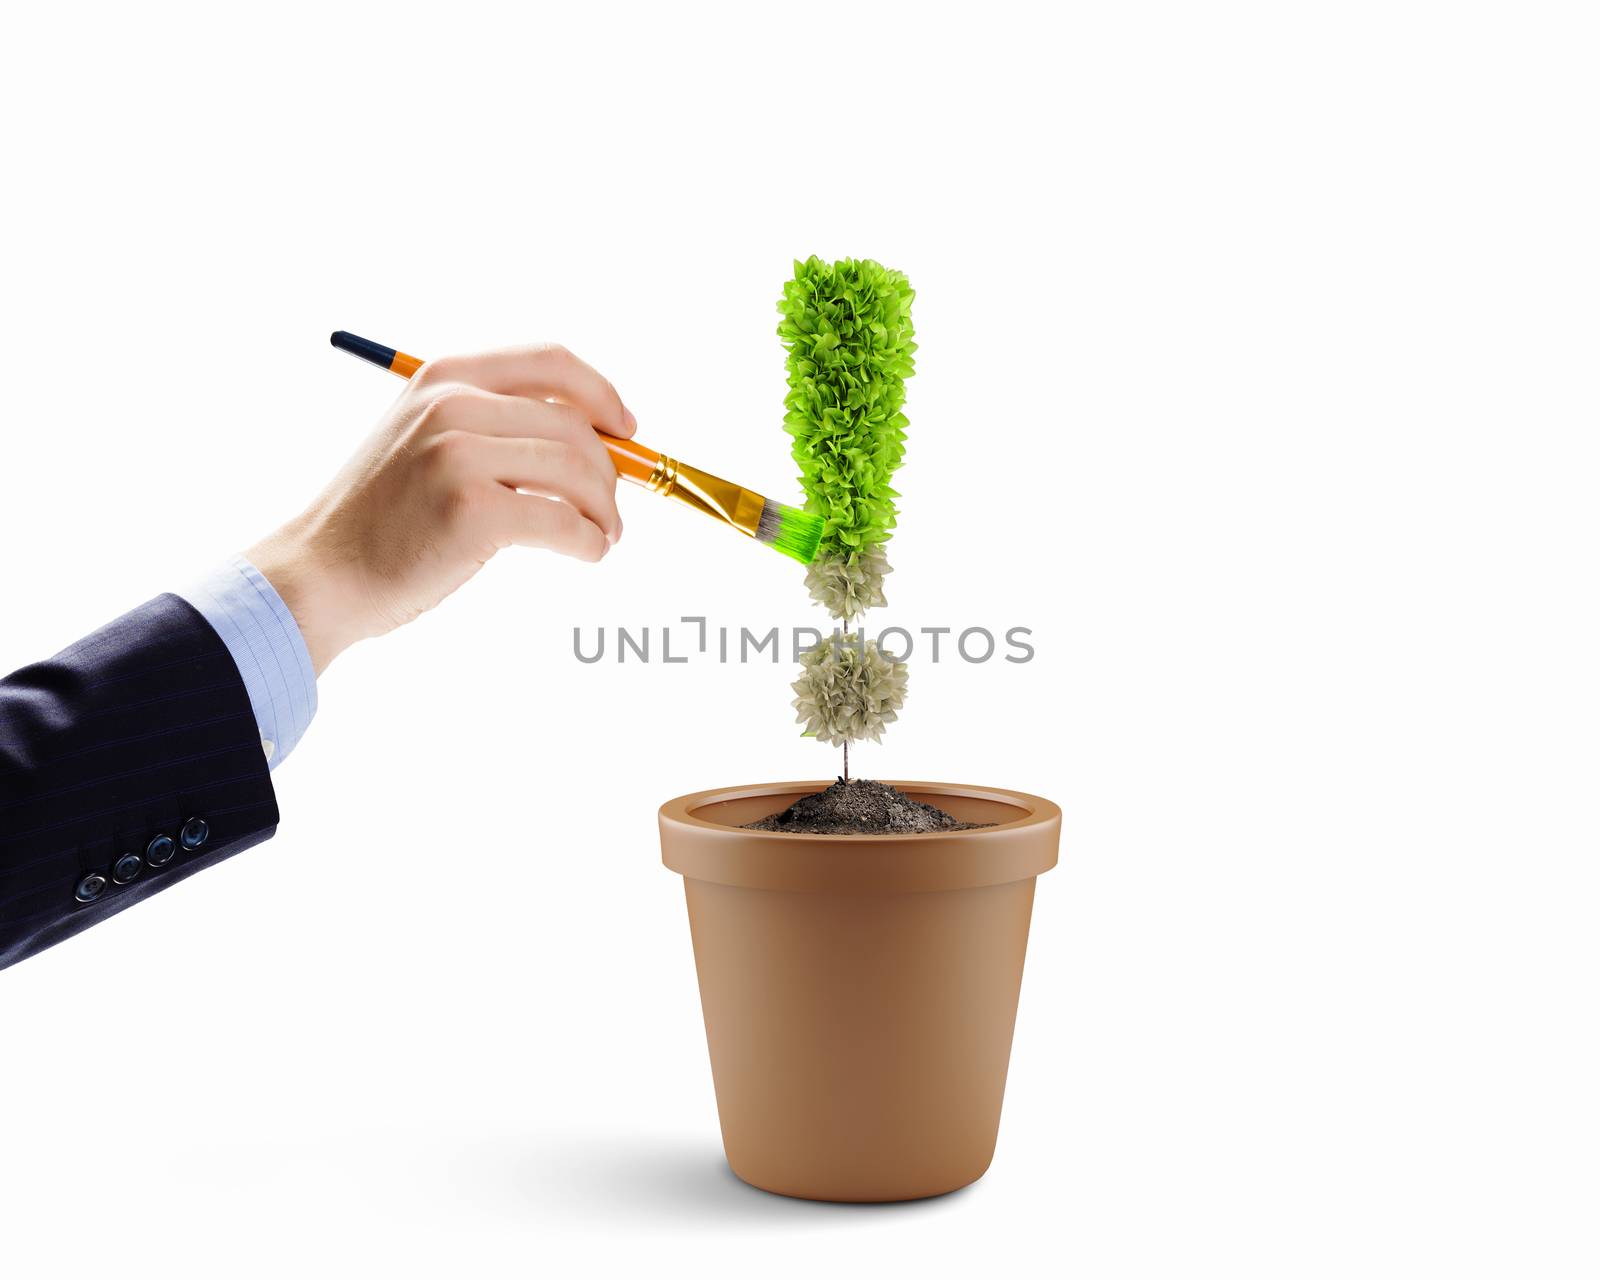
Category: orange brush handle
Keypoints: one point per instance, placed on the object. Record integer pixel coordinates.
(632, 460)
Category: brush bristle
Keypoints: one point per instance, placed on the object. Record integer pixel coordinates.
(790, 530)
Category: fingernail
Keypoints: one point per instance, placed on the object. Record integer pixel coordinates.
(615, 534)
(628, 420)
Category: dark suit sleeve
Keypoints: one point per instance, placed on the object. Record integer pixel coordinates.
(127, 762)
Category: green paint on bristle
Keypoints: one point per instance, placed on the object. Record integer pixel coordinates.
(847, 328)
(799, 534)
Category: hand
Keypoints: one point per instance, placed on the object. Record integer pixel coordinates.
(479, 452)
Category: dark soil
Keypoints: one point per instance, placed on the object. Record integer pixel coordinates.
(860, 808)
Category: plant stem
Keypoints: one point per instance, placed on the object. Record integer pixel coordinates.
(847, 762)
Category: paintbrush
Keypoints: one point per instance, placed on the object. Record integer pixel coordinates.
(794, 532)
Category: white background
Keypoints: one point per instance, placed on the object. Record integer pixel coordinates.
(1257, 376)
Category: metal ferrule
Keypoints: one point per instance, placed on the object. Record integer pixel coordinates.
(732, 504)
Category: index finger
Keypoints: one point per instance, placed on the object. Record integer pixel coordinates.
(546, 371)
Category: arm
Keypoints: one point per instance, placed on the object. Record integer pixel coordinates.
(127, 763)
(140, 755)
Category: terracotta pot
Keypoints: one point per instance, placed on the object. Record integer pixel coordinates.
(859, 991)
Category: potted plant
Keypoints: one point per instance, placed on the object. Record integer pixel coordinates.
(859, 944)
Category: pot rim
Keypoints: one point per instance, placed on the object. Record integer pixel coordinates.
(911, 861)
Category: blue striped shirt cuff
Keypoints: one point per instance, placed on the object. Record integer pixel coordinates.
(267, 647)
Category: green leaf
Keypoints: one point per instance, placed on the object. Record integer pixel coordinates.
(847, 329)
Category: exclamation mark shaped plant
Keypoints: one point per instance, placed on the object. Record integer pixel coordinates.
(847, 329)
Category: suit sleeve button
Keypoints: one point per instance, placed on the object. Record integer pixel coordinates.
(195, 833)
(160, 850)
(126, 869)
(90, 887)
